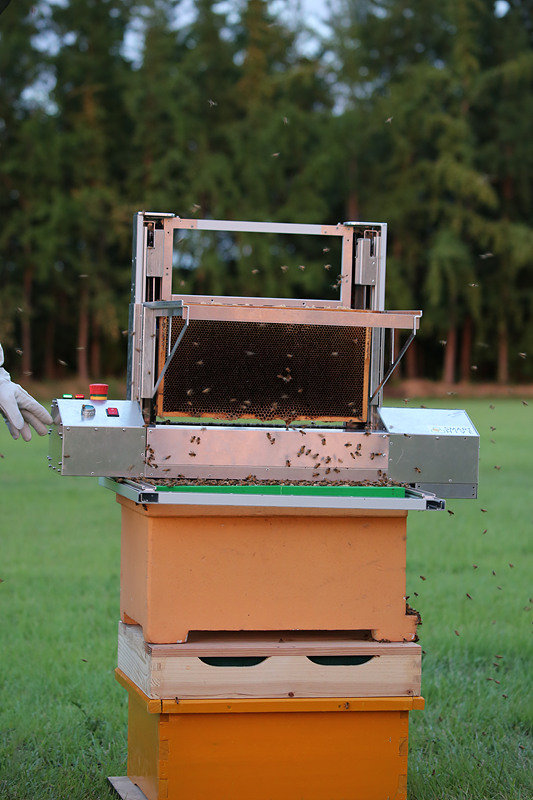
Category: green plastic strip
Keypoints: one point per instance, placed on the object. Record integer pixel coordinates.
(338, 491)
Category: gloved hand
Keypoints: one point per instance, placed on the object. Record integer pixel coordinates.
(19, 408)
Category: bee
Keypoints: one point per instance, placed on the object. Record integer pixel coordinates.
(336, 469)
(199, 363)
(167, 469)
(327, 459)
(348, 444)
(469, 596)
(417, 469)
(316, 474)
(189, 392)
(167, 457)
(193, 438)
(328, 470)
(287, 463)
(192, 454)
(249, 353)
(450, 512)
(317, 466)
(301, 266)
(308, 451)
(301, 451)
(255, 271)
(315, 455)
(323, 441)
(284, 268)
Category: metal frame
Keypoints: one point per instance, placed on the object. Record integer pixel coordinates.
(267, 227)
(141, 492)
(157, 266)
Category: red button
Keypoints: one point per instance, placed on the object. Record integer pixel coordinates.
(112, 412)
(79, 396)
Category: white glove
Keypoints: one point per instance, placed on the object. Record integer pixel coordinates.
(19, 408)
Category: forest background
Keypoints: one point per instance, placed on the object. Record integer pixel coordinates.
(417, 113)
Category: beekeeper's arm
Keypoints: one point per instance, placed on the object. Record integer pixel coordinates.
(19, 408)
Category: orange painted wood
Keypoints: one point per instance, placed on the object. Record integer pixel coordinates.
(290, 750)
(184, 573)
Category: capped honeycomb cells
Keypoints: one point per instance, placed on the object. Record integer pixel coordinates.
(266, 371)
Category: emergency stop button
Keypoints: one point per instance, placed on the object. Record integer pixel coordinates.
(112, 412)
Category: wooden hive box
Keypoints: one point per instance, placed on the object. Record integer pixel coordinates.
(318, 749)
(269, 666)
(187, 568)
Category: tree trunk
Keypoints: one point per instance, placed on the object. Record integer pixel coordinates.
(411, 361)
(466, 351)
(503, 354)
(83, 333)
(49, 361)
(25, 322)
(352, 206)
(450, 351)
(95, 352)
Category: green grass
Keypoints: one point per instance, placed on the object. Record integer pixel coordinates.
(63, 717)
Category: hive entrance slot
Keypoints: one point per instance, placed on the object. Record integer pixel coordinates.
(340, 661)
(236, 661)
(252, 661)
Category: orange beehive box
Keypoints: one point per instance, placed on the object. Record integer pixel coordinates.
(187, 568)
(317, 749)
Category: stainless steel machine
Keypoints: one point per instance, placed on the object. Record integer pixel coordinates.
(275, 396)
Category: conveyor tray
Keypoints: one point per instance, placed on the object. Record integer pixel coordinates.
(278, 495)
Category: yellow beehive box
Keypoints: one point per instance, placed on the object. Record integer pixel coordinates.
(198, 569)
(266, 749)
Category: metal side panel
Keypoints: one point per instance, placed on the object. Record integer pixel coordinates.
(433, 449)
(100, 444)
(277, 454)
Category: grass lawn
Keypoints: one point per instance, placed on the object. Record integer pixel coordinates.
(63, 716)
